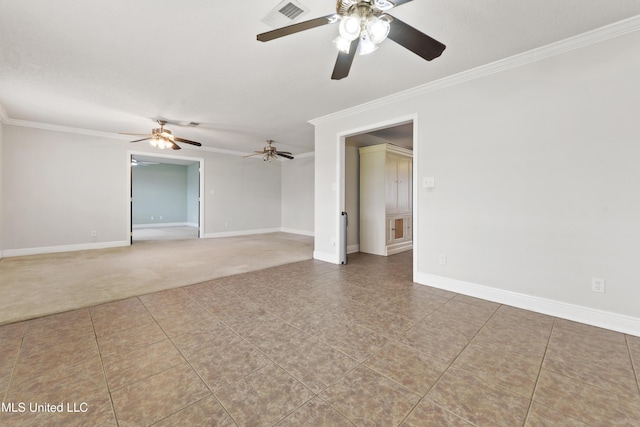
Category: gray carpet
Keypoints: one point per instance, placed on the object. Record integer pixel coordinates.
(38, 285)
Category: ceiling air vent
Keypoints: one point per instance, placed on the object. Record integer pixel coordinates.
(285, 13)
(291, 11)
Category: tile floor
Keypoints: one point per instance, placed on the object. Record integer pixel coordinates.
(315, 344)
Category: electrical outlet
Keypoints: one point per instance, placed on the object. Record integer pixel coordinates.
(597, 285)
(442, 260)
(94, 233)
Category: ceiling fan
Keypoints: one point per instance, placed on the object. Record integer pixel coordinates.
(363, 25)
(270, 153)
(162, 138)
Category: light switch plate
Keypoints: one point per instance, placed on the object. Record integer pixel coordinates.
(429, 182)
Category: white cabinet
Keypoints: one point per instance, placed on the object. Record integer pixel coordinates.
(386, 182)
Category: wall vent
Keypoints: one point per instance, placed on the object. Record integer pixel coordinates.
(285, 13)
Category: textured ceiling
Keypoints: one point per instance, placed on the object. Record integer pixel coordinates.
(113, 66)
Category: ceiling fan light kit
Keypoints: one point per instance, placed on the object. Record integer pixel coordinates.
(362, 23)
(365, 23)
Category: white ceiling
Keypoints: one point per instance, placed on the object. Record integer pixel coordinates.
(113, 66)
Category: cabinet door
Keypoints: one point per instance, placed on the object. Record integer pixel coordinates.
(391, 183)
(404, 179)
(396, 229)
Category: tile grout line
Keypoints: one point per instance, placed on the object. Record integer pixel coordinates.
(104, 372)
(450, 365)
(187, 360)
(15, 363)
(314, 395)
(535, 386)
(636, 369)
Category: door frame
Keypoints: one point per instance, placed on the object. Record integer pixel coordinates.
(340, 178)
(165, 157)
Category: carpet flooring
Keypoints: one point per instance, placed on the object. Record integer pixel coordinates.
(39, 285)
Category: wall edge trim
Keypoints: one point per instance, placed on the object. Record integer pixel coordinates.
(590, 316)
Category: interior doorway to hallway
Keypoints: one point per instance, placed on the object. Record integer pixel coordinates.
(165, 195)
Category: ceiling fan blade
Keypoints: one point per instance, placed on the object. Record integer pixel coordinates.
(296, 28)
(343, 63)
(143, 139)
(175, 146)
(287, 156)
(256, 153)
(284, 152)
(186, 141)
(416, 41)
(399, 2)
(135, 134)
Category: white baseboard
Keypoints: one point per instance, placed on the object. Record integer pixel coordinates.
(63, 248)
(399, 247)
(326, 257)
(353, 248)
(297, 231)
(603, 319)
(165, 224)
(241, 232)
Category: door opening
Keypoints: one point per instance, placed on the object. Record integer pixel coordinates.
(164, 198)
(378, 193)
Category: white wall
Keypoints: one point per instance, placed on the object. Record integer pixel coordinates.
(241, 195)
(193, 193)
(536, 172)
(60, 186)
(352, 196)
(1, 190)
(297, 195)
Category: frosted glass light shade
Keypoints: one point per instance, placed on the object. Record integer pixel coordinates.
(350, 27)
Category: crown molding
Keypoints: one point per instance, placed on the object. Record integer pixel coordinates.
(598, 35)
(80, 131)
(59, 128)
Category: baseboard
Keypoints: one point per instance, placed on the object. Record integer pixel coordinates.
(353, 248)
(326, 257)
(63, 248)
(165, 224)
(399, 247)
(603, 319)
(297, 231)
(241, 232)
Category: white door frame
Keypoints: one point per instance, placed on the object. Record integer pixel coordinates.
(161, 157)
(340, 178)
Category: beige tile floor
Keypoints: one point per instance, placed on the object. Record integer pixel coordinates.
(316, 344)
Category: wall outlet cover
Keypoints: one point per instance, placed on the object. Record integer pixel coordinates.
(597, 285)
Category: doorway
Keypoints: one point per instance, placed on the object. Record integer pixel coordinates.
(398, 135)
(165, 195)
